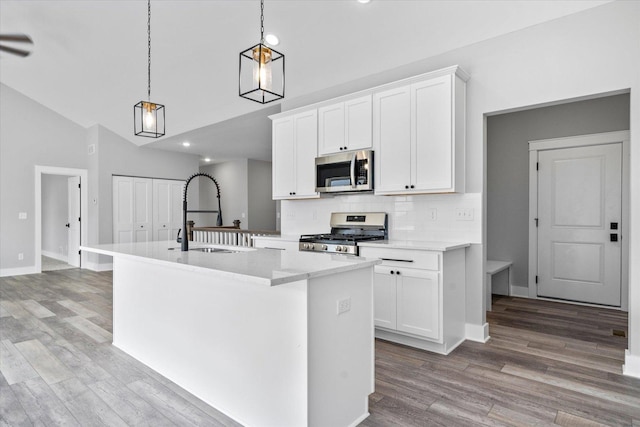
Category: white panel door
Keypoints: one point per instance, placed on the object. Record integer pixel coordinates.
(358, 128)
(331, 129)
(122, 209)
(283, 158)
(143, 209)
(392, 139)
(384, 297)
(73, 219)
(418, 302)
(579, 213)
(161, 209)
(306, 149)
(177, 194)
(432, 133)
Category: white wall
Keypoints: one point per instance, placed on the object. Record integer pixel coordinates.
(30, 135)
(591, 52)
(508, 167)
(55, 214)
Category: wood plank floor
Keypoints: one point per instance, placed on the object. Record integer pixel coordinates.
(546, 364)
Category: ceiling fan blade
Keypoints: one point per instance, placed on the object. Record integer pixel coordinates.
(19, 38)
(18, 52)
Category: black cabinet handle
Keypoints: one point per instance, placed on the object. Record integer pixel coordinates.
(398, 273)
(67, 225)
(406, 186)
(392, 272)
(412, 186)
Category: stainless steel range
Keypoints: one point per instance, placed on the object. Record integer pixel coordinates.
(347, 229)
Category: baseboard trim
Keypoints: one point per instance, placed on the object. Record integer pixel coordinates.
(20, 271)
(94, 266)
(54, 255)
(477, 333)
(631, 367)
(519, 291)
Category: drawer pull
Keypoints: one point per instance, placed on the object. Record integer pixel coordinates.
(397, 260)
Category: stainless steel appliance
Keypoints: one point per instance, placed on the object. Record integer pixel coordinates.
(345, 172)
(347, 229)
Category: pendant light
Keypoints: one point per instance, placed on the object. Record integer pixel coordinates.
(148, 117)
(261, 70)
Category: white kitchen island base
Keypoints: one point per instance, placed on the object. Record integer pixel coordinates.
(264, 355)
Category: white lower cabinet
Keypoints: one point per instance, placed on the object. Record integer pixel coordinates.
(419, 297)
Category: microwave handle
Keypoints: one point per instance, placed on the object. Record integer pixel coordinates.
(353, 170)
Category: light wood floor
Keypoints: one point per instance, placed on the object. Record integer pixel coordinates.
(546, 363)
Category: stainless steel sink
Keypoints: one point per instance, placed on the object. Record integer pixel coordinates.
(216, 250)
(208, 250)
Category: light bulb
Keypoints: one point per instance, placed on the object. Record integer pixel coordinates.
(262, 78)
(149, 118)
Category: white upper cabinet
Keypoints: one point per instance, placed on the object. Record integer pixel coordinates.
(345, 126)
(295, 140)
(418, 137)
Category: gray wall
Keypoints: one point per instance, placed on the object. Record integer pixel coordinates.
(55, 214)
(30, 135)
(508, 167)
(245, 188)
(262, 209)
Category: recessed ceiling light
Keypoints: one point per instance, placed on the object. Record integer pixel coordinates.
(206, 159)
(186, 144)
(272, 39)
(364, 1)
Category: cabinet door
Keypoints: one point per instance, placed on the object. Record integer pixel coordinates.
(306, 150)
(357, 123)
(384, 297)
(418, 302)
(331, 129)
(283, 167)
(392, 139)
(432, 135)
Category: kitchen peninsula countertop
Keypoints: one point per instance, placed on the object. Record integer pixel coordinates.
(415, 245)
(262, 266)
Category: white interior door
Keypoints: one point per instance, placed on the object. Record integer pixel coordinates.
(579, 215)
(73, 219)
(122, 209)
(143, 209)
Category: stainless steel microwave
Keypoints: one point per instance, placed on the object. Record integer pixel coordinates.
(345, 172)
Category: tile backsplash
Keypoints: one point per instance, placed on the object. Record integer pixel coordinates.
(434, 217)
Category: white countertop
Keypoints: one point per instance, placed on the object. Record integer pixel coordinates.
(263, 266)
(415, 245)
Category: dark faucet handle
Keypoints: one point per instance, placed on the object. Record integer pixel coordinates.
(178, 238)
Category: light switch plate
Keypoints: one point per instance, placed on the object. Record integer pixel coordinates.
(464, 214)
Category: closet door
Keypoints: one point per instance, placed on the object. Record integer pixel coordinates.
(132, 208)
(167, 208)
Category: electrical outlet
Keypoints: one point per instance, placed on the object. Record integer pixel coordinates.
(344, 305)
(432, 214)
(22, 215)
(20, 256)
(464, 214)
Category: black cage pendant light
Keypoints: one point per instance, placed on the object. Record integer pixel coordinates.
(261, 70)
(148, 117)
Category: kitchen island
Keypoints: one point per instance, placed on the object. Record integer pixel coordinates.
(269, 337)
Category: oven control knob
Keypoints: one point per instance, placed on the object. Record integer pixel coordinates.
(325, 247)
(307, 246)
(339, 248)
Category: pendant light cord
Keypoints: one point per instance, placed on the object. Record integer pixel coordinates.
(262, 21)
(149, 47)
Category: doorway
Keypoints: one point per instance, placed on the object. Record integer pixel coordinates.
(578, 215)
(60, 216)
(508, 223)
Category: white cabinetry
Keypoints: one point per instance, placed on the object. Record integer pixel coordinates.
(146, 209)
(418, 136)
(295, 140)
(276, 242)
(345, 126)
(419, 297)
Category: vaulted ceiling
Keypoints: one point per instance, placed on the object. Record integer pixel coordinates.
(89, 59)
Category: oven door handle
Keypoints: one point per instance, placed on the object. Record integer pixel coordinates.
(353, 170)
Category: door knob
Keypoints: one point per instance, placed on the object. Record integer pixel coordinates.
(613, 237)
(67, 225)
